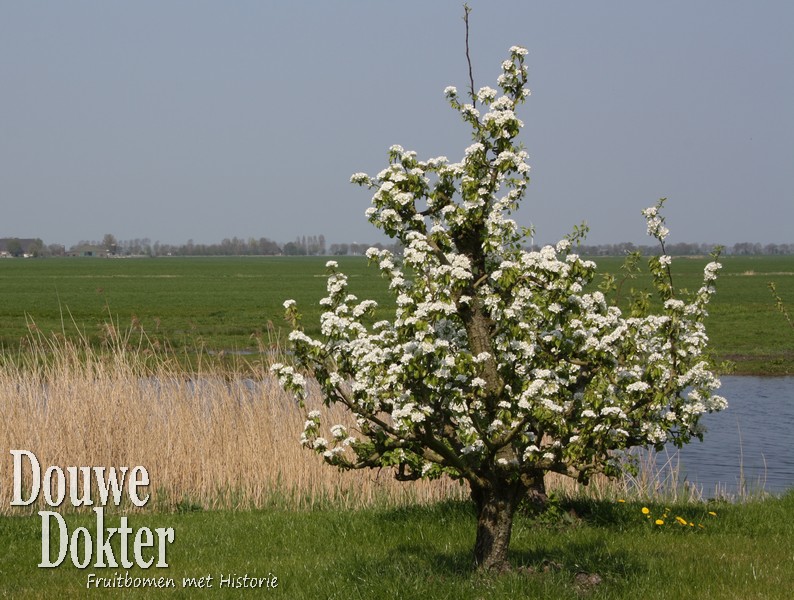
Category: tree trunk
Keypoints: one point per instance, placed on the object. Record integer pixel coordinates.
(496, 505)
(536, 491)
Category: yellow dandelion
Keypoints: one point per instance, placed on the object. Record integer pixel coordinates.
(712, 513)
(659, 522)
(646, 510)
(621, 500)
(701, 526)
(691, 524)
(681, 520)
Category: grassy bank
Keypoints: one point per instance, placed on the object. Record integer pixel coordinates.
(743, 551)
(235, 304)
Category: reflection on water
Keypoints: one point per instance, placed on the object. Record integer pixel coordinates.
(749, 444)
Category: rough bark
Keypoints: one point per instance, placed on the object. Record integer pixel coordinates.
(536, 491)
(496, 505)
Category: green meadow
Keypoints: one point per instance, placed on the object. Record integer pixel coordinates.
(730, 551)
(235, 304)
(217, 304)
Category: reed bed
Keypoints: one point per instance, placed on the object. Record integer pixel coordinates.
(209, 439)
(213, 435)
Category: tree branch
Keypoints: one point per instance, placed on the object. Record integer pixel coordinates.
(466, 11)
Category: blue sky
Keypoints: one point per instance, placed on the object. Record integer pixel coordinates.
(178, 120)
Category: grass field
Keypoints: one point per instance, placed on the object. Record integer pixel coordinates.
(222, 303)
(235, 304)
(743, 551)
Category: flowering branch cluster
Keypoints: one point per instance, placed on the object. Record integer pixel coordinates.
(499, 363)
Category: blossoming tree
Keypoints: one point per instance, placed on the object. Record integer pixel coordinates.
(500, 364)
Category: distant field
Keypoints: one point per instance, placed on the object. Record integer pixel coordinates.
(228, 303)
(744, 324)
(221, 303)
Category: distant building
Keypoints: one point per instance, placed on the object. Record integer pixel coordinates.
(87, 250)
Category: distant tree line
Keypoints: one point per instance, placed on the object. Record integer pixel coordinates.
(685, 249)
(33, 247)
(315, 245)
(227, 247)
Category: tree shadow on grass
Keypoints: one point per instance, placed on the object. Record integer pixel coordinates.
(579, 511)
(590, 520)
(593, 556)
(558, 513)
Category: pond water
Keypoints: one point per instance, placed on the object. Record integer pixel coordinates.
(747, 447)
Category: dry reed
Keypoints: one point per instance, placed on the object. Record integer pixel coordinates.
(208, 439)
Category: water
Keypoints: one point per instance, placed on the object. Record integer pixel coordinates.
(750, 445)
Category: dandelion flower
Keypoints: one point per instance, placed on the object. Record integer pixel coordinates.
(659, 522)
(646, 510)
(712, 513)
